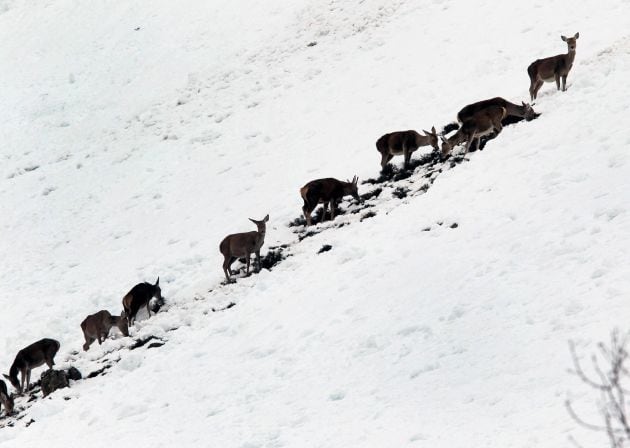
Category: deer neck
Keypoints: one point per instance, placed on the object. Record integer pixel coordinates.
(570, 57)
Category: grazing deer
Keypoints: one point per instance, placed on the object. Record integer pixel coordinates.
(525, 110)
(327, 191)
(139, 296)
(6, 399)
(97, 326)
(29, 358)
(484, 122)
(243, 245)
(405, 143)
(552, 68)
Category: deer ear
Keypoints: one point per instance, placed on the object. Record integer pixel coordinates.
(6, 376)
(577, 35)
(564, 38)
(266, 218)
(433, 130)
(157, 282)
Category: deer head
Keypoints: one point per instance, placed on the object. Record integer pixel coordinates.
(13, 379)
(262, 224)
(571, 41)
(433, 138)
(446, 146)
(351, 187)
(157, 292)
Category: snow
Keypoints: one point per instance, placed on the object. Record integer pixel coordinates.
(136, 137)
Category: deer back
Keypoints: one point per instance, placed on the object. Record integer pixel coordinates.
(138, 296)
(241, 244)
(97, 323)
(323, 190)
(35, 354)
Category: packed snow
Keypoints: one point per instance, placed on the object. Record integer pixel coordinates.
(136, 136)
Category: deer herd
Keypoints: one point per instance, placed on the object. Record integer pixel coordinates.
(474, 121)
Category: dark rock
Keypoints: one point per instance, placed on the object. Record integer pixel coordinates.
(52, 380)
(325, 248)
(73, 374)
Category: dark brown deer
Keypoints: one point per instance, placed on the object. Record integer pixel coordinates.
(6, 399)
(405, 143)
(29, 358)
(552, 68)
(96, 327)
(139, 296)
(525, 110)
(244, 245)
(484, 122)
(327, 191)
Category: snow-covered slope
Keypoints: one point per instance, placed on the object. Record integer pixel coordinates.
(135, 136)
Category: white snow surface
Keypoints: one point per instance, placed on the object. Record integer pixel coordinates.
(136, 135)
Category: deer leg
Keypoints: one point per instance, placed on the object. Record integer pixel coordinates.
(258, 260)
(148, 308)
(557, 76)
(406, 155)
(28, 380)
(248, 259)
(537, 87)
(469, 142)
(564, 83)
(323, 212)
(333, 207)
(226, 271)
(384, 159)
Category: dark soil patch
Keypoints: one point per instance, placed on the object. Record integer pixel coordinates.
(142, 342)
(400, 192)
(324, 248)
(274, 255)
(368, 215)
(226, 307)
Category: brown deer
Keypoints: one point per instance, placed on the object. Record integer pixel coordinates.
(29, 358)
(405, 143)
(327, 191)
(139, 296)
(98, 325)
(552, 68)
(484, 122)
(525, 110)
(6, 399)
(244, 245)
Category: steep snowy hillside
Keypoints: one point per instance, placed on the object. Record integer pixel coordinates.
(136, 136)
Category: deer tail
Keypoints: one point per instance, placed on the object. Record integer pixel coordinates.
(450, 127)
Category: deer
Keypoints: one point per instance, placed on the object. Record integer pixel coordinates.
(405, 143)
(327, 191)
(553, 68)
(98, 325)
(139, 296)
(6, 399)
(244, 244)
(29, 358)
(524, 111)
(481, 123)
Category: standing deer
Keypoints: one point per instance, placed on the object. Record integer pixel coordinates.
(139, 296)
(484, 122)
(327, 191)
(29, 358)
(98, 325)
(243, 245)
(405, 143)
(552, 68)
(6, 399)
